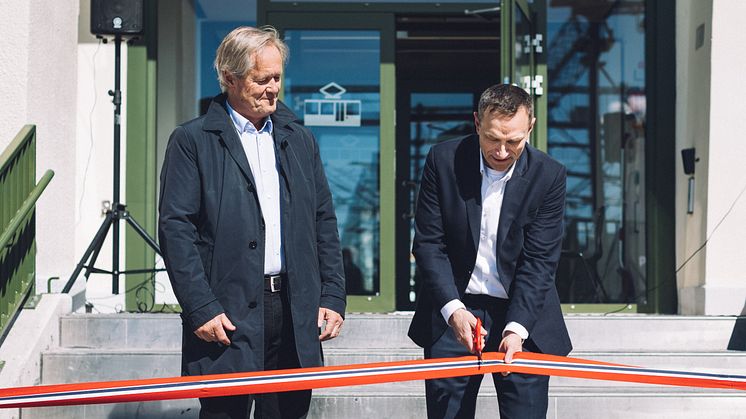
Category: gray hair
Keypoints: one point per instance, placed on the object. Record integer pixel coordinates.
(236, 53)
(506, 100)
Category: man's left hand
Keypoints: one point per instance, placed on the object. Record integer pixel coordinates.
(333, 323)
(510, 344)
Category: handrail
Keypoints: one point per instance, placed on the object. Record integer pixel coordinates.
(24, 210)
(26, 134)
(19, 193)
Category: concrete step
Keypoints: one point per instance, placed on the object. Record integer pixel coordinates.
(733, 362)
(580, 403)
(166, 409)
(612, 333)
(122, 330)
(68, 365)
(402, 400)
(131, 346)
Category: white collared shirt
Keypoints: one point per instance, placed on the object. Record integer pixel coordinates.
(259, 146)
(484, 278)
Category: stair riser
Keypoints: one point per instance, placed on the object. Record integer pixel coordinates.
(577, 406)
(588, 333)
(71, 367)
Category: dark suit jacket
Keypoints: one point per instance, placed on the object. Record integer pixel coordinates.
(212, 238)
(529, 238)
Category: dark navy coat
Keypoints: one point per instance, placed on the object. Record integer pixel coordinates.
(212, 237)
(529, 238)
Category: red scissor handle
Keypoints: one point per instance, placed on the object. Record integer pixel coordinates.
(478, 339)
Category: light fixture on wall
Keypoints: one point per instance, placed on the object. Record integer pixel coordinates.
(688, 158)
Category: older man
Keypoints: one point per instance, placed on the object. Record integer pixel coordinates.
(487, 241)
(248, 232)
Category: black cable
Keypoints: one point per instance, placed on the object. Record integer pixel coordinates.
(702, 246)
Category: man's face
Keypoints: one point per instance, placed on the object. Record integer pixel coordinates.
(503, 138)
(255, 96)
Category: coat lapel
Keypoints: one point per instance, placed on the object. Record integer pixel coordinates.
(218, 120)
(281, 120)
(471, 185)
(515, 192)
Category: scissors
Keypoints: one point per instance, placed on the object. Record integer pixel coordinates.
(478, 340)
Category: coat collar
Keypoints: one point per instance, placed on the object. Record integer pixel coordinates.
(218, 120)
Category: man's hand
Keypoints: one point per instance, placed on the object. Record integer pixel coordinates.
(333, 323)
(463, 324)
(214, 330)
(510, 344)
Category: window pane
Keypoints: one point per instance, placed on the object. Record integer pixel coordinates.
(596, 127)
(339, 72)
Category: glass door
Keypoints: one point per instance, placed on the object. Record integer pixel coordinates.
(443, 63)
(335, 82)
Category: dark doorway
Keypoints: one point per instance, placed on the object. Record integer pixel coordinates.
(443, 63)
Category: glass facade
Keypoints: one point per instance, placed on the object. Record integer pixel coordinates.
(332, 82)
(595, 94)
(596, 127)
(434, 117)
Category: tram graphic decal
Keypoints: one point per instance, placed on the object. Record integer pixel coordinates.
(332, 110)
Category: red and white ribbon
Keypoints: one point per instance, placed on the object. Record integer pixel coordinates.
(351, 375)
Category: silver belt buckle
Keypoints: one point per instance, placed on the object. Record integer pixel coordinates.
(275, 282)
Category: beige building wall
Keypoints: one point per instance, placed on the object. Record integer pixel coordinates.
(692, 130)
(725, 287)
(38, 69)
(710, 117)
(56, 75)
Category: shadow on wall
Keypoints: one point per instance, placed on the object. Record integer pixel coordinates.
(738, 337)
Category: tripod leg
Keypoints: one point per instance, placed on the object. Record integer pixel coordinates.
(144, 234)
(93, 248)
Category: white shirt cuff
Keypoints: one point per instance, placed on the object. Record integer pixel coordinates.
(516, 328)
(450, 307)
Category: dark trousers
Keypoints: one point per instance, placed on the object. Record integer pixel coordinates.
(519, 396)
(279, 353)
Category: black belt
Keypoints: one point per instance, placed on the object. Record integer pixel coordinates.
(273, 283)
(483, 301)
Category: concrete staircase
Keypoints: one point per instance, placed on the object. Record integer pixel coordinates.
(123, 346)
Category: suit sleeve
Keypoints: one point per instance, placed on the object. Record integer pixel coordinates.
(429, 245)
(177, 229)
(537, 264)
(331, 269)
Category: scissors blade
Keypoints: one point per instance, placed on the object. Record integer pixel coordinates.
(478, 340)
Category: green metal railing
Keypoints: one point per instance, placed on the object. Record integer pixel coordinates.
(18, 195)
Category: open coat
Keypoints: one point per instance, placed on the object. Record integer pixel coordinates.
(211, 234)
(529, 239)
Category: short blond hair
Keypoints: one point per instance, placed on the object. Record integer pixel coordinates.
(236, 53)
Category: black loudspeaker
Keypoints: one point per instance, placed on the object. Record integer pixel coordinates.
(688, 158)
(116, 17)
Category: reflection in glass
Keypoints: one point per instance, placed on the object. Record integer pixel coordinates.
(434, 117)
(522, 49)
(596, 117)
(332, 82)
(312, 108)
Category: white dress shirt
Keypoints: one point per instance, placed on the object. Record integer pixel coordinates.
(259, 146)
(485, 278)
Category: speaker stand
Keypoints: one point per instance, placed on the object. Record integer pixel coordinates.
(118, 210)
